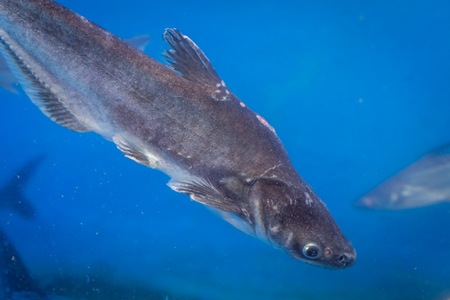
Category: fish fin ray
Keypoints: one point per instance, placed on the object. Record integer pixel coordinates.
(186, 58)
(202, 191)
(236, 221)
(7, 79)
(40, 93)
(133, 152)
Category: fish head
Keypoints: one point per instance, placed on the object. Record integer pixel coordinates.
(294, 219)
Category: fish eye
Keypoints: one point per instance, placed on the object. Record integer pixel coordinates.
(311, 251)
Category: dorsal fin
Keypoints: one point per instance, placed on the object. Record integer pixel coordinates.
(39, 92)
(186, 58)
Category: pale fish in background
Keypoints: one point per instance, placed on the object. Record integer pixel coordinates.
(423, 183)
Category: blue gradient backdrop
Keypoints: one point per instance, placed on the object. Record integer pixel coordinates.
(356, 90)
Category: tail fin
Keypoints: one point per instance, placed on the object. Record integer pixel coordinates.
(11, 195)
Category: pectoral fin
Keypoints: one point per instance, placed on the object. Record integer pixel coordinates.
(204, 192)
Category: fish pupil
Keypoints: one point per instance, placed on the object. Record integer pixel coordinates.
(311, 251)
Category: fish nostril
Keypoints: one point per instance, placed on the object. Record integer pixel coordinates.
(346, 259)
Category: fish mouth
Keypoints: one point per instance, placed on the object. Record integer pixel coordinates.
(346, 259)
(340, 261)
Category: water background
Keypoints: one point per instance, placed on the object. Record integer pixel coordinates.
(356, 90)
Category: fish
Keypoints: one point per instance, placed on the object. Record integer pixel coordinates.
(15, 280)
(425, 182)
(12, 196)
(179, 118)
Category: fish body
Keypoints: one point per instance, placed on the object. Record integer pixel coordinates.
(423, 183)
(181, 119)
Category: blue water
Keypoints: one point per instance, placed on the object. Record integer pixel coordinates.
(356, 90)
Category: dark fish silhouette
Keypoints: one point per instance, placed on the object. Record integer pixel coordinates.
(12, 193)
(15, 281)
(191, 127)
(425, 182)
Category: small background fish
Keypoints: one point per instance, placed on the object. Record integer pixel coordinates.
(423, 183)
(356, 91)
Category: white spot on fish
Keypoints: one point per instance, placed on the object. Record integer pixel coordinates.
(223, 83)
(242, 104)
(289, 239)
(265, 123)
(275, 228)
(290, 200)
(308, 200)
(221, 93)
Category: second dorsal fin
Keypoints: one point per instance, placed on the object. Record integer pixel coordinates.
(186, 58)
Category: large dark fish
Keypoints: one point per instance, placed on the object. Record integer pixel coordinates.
(423, 183)
(191, 127)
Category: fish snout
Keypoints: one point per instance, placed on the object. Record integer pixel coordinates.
(366, 202)
(346, 259)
